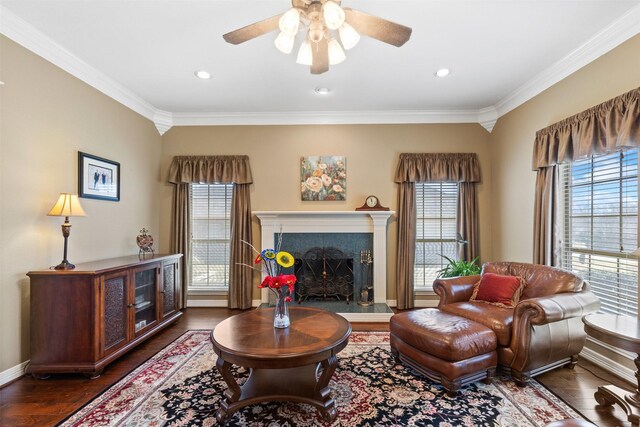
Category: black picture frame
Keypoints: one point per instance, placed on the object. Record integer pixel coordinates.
(98, 178)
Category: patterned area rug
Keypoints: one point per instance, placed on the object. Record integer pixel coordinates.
(180, 386)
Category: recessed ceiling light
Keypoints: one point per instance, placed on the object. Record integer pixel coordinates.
(201, 74)
(443, 72)
(322, 91)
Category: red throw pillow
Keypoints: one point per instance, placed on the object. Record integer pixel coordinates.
(499, 290)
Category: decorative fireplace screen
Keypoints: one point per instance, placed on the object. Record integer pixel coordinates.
(322, 274)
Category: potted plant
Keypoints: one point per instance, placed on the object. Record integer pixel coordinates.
(456, 268)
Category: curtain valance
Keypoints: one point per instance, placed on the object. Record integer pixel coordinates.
(438, 167)
(600, 129)
(210, 170)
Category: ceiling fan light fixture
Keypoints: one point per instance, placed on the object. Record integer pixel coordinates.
(316, 32)
(290, 21)
(333, 15)
(336, 54)
(348, 36)
(305, 56)
(284, 42)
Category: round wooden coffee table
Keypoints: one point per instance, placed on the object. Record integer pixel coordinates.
(293, 364)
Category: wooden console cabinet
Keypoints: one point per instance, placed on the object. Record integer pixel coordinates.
(83, 319)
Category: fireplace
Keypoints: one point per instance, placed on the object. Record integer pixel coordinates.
(340, 229)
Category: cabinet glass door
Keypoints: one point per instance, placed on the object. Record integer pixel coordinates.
(144, 298)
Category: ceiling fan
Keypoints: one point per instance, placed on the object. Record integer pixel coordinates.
(321, 19)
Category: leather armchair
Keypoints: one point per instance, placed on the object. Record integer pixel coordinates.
(543, 331)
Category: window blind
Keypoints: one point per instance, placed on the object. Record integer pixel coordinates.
(600, 197)
(210, 236)
(435, 230)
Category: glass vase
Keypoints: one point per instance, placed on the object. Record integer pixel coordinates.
(281, 313)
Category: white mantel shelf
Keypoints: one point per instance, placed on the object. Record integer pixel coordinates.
(375, 222)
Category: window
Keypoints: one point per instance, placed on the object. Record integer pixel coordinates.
(601, 226)
(435, 230)
(210, 236)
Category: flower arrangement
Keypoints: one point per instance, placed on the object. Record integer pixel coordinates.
(272, 262)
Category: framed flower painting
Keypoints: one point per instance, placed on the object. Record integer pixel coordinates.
(323, 178)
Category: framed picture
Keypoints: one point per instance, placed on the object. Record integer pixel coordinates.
(98, 178)
(323, 178)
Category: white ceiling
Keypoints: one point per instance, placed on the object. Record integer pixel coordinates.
(144, 53)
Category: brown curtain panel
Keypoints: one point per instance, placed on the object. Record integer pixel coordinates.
(180, 236)
(546, 239)
(605, 128)
(241, 253)
(185, 170)
(406, 251)
(467, 221)
(463, 168)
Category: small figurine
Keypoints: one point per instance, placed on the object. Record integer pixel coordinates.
(145, 243)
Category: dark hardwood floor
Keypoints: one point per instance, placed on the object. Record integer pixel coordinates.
(31, 402)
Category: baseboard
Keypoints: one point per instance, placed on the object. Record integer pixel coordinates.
(426, 303)
(609, 365)
(207, 303)
(392, 303)
(256, 302)
(13, 373)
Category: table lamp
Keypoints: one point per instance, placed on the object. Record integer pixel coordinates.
(66, 206)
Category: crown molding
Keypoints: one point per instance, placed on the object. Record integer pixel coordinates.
(163, 121)
(487, 117)
(606, 40)
(324, 117)
(34, 40)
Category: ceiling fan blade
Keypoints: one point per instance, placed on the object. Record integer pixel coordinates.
(320, 57)
(252, 31)
(378, 28)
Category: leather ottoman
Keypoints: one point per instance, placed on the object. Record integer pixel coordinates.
(446, 348)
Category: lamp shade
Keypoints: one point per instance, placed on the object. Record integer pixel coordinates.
(349, 36)
(67, 205)
(336, 54)
(305, 56)
(290, 21)
(284, 42)
(333, 15)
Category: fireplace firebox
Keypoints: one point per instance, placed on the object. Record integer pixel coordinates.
(324, 274)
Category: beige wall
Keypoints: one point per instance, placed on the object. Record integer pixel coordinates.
(372, 153)
(512, 142)
(48, 116)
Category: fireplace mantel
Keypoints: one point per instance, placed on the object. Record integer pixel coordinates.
(273, 222)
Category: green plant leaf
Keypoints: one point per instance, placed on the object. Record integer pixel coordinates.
(456, 268)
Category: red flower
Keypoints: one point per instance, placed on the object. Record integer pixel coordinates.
(289, 280)
(275, 282)
(267, 282)
(258, 259)
(287, 299)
